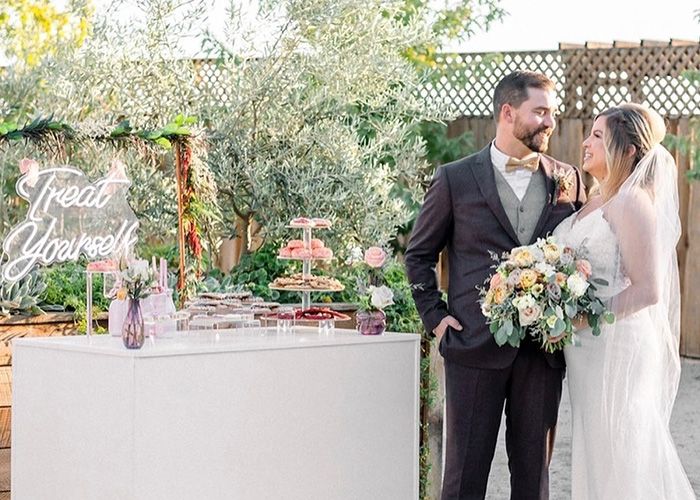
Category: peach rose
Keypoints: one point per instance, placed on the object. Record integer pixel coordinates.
(584, 267)
(375, 257)
(522, 257)
(552, 252)
(560, 279)
(496, 281)
(500, 294)
(528, 278)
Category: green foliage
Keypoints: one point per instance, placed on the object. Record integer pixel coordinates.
(66, 286)
(428, 396)
(39, 129)
(163, 137)
(23, 296)
(449, 22)
(403, 315)
(254, 273)
(32, 29)
(325, 130)
(442, 149)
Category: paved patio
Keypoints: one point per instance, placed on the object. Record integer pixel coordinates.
(685, 427)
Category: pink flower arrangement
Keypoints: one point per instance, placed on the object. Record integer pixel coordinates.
(374, 295)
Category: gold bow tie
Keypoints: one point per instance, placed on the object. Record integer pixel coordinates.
(530, 162)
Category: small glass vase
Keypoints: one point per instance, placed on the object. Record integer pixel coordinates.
(371, 322)
(132, 330)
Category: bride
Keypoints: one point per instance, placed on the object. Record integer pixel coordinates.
(623, 383)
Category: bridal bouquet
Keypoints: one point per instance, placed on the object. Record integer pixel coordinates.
(538, 290)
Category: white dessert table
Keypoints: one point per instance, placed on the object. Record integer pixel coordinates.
(217, 415)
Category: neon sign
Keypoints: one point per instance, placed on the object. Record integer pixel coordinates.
(69, 216)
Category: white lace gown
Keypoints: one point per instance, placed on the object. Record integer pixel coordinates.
(621, 445)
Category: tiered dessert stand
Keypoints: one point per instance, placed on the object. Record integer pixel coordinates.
(307, 261)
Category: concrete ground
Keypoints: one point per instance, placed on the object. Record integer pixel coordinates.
(685, 427)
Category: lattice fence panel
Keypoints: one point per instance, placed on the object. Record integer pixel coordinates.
(587, 80)
(471, 78)
(210, 79)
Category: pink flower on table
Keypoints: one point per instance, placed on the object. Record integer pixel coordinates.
(584, 267)
(375, 257)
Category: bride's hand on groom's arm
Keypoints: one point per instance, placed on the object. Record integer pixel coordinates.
(448, 320)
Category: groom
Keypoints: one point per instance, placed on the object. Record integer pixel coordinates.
(507, 195)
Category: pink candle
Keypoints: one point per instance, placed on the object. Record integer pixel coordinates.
(163, 273)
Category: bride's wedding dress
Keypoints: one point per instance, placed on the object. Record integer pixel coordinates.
(623, 383)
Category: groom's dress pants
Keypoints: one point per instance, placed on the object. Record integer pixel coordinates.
(531, 390)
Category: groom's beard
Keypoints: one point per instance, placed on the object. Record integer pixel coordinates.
(536, 140)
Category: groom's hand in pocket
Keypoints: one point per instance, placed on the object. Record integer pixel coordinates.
(447, 321)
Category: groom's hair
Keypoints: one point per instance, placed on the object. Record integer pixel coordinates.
(512, 89)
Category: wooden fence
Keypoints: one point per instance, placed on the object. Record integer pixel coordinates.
(565, 145)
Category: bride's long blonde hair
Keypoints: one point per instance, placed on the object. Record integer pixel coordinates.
(631, 130)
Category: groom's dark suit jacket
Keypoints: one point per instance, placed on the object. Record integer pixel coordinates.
(463, 212)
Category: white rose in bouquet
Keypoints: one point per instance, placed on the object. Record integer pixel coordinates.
(577, 284)
(546, 269)
(523, 302)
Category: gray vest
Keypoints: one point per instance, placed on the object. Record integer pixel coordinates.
(523, 215)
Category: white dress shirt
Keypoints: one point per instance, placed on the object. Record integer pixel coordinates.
(518, 180)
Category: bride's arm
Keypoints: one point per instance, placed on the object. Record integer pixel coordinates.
(633, 220)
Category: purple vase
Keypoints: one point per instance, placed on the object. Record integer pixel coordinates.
(132, 330)
(371, 322)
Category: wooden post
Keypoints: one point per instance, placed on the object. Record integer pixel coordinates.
(689, 254)
(180, 208)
